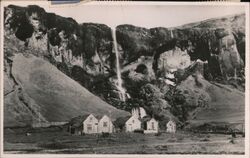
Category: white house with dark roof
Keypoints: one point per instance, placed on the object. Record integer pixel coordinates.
(90, 125)
(76, 124)
(133, 123)
(152, 126)
(105, 125)
(171, 127)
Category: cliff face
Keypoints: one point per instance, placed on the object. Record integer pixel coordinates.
(217, 43)
(157, 62)
(90, 45)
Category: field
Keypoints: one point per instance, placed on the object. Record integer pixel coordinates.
(57, 140)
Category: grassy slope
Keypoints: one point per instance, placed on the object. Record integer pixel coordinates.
(226, 104)
(59, 97)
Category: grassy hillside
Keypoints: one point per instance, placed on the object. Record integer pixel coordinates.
(223, 103)
(227, 105)
(57, 97)
(198, 101)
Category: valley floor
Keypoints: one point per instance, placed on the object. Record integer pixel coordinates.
(59, 141)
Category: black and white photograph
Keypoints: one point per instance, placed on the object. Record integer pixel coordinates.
(124, 78)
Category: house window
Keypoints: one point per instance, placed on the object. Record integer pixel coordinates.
(89, 127)
(90, 118)
(133, 121)
(153, 126)
(105, 124)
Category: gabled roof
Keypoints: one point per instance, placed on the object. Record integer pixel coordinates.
(121, 121)
(104, 116)
(77, 121)
(98, 117)
(171, 121)
(145, 119)
(133, 116)
(153, 119)
(142, 120)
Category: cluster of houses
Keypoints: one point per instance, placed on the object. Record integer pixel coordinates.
(90, 124)
(139, 121)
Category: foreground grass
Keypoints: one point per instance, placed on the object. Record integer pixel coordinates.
(57, 140)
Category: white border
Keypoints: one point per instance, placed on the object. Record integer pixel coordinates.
(246, 155)
(247, 86)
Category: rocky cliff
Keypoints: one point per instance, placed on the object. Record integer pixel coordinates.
(157, 64)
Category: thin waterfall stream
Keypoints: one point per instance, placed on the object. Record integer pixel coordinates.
(121, 89)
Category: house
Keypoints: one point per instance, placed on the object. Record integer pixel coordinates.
(85, 124)
(133, 123)
(90, 125)
(171, 126)
(105, 125)
(76, 125)
(147, 124)
(152, 126)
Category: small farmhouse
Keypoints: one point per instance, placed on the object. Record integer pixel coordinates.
(133, 123)
(76, 125)
(152, 126)
(90, 125)
(84, 124)
(105, 125)
(171, 126)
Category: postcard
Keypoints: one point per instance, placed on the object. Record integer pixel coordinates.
(124, 79)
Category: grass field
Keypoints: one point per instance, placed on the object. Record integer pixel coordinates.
(56, 140)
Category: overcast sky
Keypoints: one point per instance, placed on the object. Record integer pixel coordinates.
(144, 15)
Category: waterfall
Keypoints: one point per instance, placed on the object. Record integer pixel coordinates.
(235, 74)
(122, 94)
(209, 45)
(171, 34)
(237, 63)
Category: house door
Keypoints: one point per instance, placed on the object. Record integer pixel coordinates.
(130, 128)
(72, 131)
(95, 128)
(89, 128)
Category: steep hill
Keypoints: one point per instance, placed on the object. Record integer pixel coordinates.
(43, 93)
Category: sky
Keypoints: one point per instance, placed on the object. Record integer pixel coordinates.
(143, 15)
